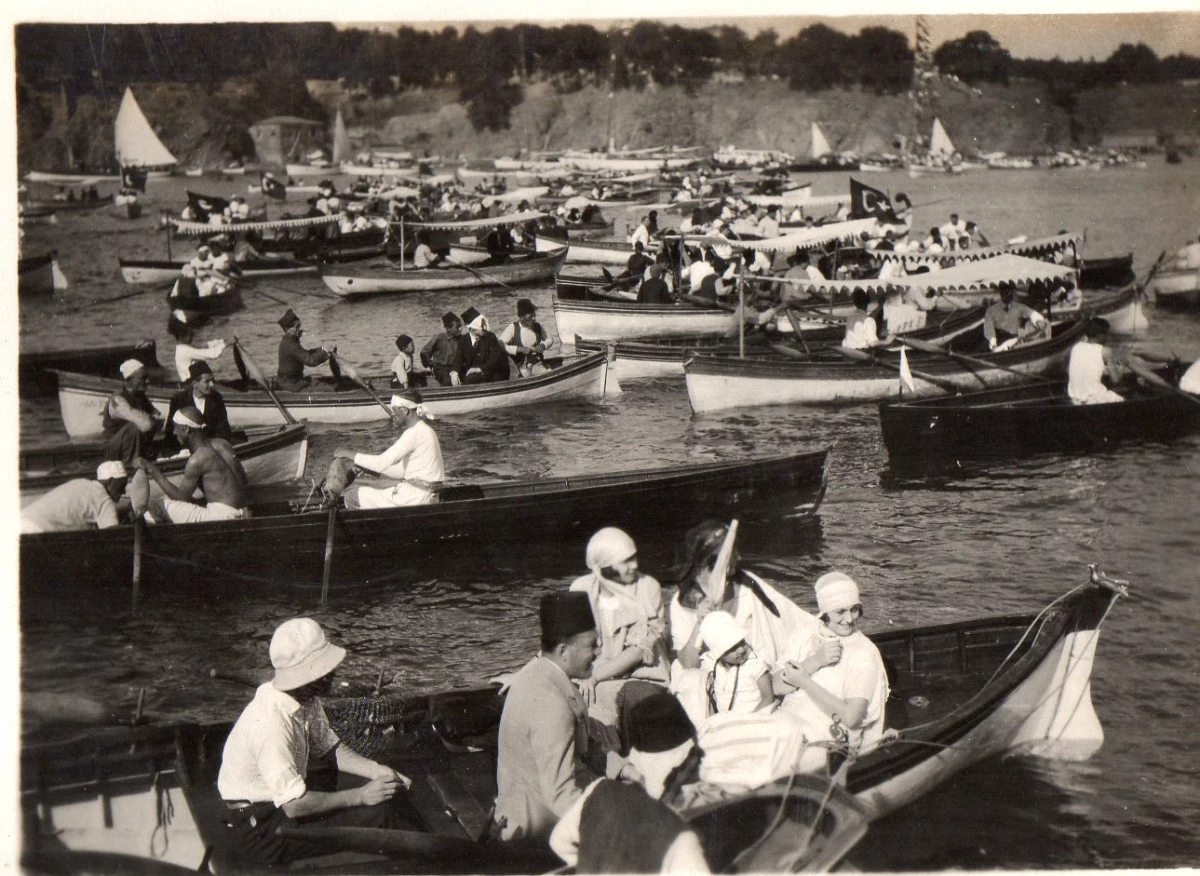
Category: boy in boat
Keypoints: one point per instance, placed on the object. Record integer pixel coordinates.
(1008, 323)
(406, 372)
(130, 418)
(630, 827)
(80, 503)
(415, 460)
(212, 466)
(440, 352)
(264, 778)
(293, 358)
(1091, 361)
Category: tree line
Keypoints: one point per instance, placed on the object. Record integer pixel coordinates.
(489, 68)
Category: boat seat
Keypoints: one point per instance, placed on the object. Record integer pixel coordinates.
(468, 792)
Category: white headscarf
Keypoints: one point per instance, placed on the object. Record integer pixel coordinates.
(836, 590)
(608, 547)
(399, 401)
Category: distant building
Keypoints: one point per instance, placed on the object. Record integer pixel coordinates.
(281, 139)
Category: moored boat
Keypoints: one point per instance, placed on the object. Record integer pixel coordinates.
(358, 282)
(603, 252)
(718, 383)
(269, 454)
(1105, 271)
(82, 397)
(1025, 420)
(40, 275)
(36, 370)
(658, 505)
(614, 320)
(163, 272)
(1176, 288)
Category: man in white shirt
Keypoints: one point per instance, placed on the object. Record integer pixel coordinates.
(768, 226)
(79, 503)
(415, 459)
(1188, 257)
(641, 234)
(953, 230)
(264, 777)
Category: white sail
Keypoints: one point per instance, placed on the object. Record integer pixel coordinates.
(939, 140)
(820, 146)
(341, 140)
(136, 143)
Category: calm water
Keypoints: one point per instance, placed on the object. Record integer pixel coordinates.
(1006, 542)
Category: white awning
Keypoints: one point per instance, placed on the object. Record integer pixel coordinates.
(201, 228)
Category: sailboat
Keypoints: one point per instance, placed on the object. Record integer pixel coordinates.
(136, 143)
(939, 141)
(822, 157)
(941, 154)
(342, 149)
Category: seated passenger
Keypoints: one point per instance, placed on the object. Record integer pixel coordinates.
(1008, 323)
(732, 677)
(1091, 361)
(861, 331)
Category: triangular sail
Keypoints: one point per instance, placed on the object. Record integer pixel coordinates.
(820, 146)
(341, 140)
(136, 143)
(939, 140)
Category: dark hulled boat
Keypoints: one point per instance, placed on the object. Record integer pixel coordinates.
(36, 370)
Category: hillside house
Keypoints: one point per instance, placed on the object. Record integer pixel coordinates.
(281, 139)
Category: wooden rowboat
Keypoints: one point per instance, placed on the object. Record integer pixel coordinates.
(960, 692)
(717, 383)
(358, 282)
(269, 454)
(91, 804)
(1106, 271)
(604, 252)
(82, 397)
(1176, 288)
(39, 275)
(1022, 421)
(657, 506)
(36, 370)
(163, 272)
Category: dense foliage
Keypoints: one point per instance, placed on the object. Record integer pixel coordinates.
(490, 67)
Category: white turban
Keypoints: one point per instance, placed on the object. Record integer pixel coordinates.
(399, 401)
(111, 470)
(182, 419)
(836, 590)
(608, 547)
(480, 322)
(719, 632)
(131, 367)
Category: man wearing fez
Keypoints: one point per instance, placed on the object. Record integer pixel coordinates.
(199, 394)
(481, 356)
(293, 358)
(545, 759)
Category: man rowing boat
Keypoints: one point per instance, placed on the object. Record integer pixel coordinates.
(293, 358)
(212, 466)
(415, 459)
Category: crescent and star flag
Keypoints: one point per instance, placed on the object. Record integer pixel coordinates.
(133, 178)
(273, 188)
(906, 378)
(205, 205)
(866, 202)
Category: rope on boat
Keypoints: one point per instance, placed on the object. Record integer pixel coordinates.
(164, 813)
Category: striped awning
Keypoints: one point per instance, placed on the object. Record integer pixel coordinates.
(203, 228)
(808, 238)
(1041, 248)
(477, 224)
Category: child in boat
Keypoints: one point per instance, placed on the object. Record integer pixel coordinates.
(736, 679)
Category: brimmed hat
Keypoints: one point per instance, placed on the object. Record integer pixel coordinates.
(111, 470)
(288, 320)
(301, 654)
(196, 369)
(719, 632)
(563, 615)
(525, 307)
(651, 719)
(131, 367)
(836, 590)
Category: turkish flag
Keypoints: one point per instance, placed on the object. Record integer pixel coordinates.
(866, 202)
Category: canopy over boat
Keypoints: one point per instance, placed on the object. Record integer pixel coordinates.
(477, 224)
(1040, 248)
(939, 140)
(787, 199)
(202, 228)
(136, 143)
(808, 238)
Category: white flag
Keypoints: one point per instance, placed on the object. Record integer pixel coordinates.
(906, 378)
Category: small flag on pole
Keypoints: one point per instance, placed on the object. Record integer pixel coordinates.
(906, 378)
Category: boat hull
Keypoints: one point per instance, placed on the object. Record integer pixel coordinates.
(36, 370)
(357, 283)
(658, 506)
(163, 273)
(82, 398)
(1023, 421)
(598, 252)
(720, 383)
(613, 321)
(1176, 288)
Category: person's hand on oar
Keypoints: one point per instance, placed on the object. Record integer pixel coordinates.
(246, 362)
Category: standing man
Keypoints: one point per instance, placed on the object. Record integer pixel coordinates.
(525, 340)
(212, 466)
(440, 353)
(482, 357)
(415, 460)
(545, 760)
(130, 418)
(79, 503)
(293, 358)
(264, 767)
(199, 394)
(641, 234)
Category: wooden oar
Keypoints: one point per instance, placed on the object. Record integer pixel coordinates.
(1157, 383)
(927, 347)
(257, 374)
(352, 373)
(490, 281)
(860, 356)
